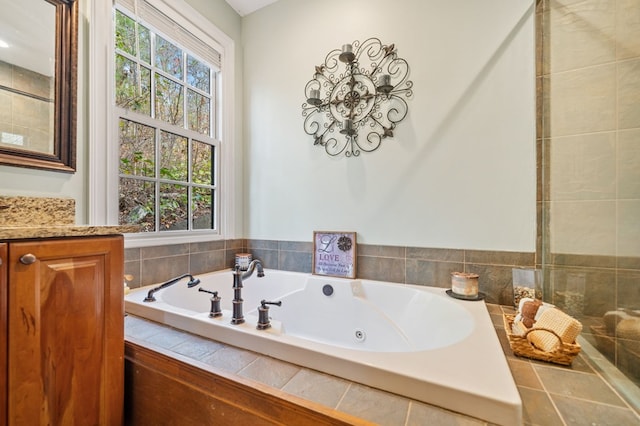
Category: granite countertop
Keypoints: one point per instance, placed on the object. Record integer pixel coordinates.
(25, 232)
(47, 217)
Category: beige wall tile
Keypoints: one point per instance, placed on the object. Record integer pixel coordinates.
(32, 82)
(5, 107)
(446, 255)
(164, 251)
(158, 270)
(381, 251)
(6, 74)
(381, 268)
(628, 28)
(581, 34)
(545, 39)
(629, 164)
(511, 258)
(545, 114)
(629, 228)
(40, 140)
(199, 263)
(583, 167)
(629, 94)
(495, 281)
(583, 227)
(430, 273)
(583, 101)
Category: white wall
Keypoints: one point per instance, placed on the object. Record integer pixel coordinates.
(460, 171)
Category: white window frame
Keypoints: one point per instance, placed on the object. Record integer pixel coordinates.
(103, 131)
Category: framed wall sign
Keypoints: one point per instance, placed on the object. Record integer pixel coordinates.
(334, 254)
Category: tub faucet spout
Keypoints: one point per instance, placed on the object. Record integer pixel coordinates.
(255, 264)
(238, 276)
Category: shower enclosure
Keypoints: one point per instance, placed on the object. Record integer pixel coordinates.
(588, 136)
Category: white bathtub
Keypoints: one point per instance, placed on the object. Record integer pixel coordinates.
(411, 340)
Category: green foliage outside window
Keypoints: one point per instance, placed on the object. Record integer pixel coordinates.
(166, 178)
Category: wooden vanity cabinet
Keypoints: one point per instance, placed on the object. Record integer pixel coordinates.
(61, 316)
(3, 331)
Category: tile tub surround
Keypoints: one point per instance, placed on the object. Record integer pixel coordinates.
(552, 395)
(150, 265)
(408, 265)
(397, 264)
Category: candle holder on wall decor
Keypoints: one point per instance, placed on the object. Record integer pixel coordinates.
(356, 97)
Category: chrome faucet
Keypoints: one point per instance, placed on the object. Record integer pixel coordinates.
(238, 276)
(192, 283)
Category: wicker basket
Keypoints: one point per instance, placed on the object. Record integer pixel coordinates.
(521, 346)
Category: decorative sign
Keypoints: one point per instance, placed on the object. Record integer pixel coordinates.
(334, 254)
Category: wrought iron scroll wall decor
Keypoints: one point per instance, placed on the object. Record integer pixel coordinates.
(359, 90)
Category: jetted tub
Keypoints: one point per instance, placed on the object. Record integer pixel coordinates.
(411, 340)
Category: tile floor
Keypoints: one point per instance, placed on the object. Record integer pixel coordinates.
(551, 395)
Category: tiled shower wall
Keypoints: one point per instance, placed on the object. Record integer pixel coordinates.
(26, 108)
(406, 265)
(588, 79)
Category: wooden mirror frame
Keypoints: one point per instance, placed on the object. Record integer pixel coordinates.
(63, 158)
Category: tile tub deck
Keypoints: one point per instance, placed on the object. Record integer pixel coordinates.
(551, 395)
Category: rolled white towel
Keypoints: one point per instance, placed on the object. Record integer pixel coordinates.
(566, 328)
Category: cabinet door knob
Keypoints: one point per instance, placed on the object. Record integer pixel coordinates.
(28, 259)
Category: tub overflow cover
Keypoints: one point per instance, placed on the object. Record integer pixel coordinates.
(327, 289)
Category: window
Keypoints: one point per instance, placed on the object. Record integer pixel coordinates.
(168, 131)
(164, 99)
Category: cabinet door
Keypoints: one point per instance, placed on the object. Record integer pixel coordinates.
(3, 332)
(65, 337)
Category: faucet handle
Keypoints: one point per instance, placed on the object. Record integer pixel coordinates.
(264, 303)
(263, 314)
(215, 311)
(214, 293)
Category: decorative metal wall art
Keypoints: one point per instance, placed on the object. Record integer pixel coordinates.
(359, 89)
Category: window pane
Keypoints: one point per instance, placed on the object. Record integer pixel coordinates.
(126, 81)
(137, 203)
(198, 74)
(144, 41)
(202, 206)
(132, 91)
(198, 111)
(202, 163)
(169, 101)
(137, 149)
(173, 207)
(143, 102)
(168, 57)
(173, 157)
(125, 33)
